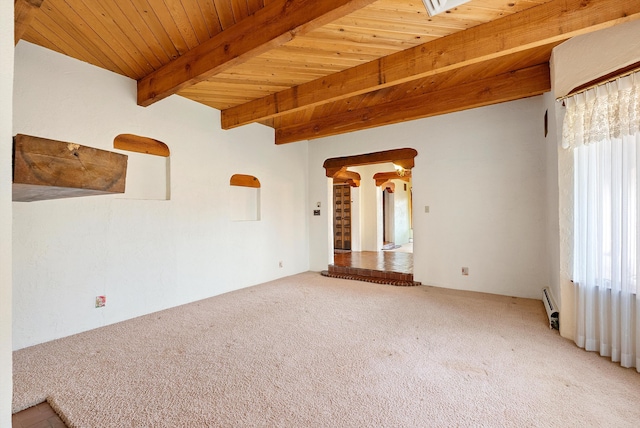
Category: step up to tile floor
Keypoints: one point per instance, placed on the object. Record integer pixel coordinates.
(382, 267)
(370, 275)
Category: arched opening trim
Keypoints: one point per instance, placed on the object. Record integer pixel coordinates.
(403, 158)
(138, 144)
(383, 177)
(244, 181)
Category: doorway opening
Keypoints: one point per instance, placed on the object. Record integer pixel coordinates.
(397, 224)
(388, 220)
(371, 220)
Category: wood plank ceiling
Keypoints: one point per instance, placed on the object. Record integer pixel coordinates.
(314, 68)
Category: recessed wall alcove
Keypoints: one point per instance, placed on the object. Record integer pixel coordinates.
(149, 169)
(244, 197)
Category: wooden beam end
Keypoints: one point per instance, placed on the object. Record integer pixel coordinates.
(23, 13)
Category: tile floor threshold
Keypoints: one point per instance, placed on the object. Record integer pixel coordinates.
(383, 261)
(39, 416)
(382, 267)
(374, 279)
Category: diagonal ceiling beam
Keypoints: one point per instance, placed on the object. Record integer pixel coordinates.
(275, 24)
(23, 13)
(504, 87)
(541, 25)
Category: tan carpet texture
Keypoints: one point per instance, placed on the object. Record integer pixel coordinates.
(310, 351)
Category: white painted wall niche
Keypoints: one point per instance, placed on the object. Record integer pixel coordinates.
(148, 167)
(244, 198)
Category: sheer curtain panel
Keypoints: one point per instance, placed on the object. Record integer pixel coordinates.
(602, 127)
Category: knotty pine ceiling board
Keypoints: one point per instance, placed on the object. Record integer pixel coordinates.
(132, 37)
(375, 31)
(136, 37)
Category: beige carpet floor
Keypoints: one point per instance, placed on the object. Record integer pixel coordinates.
(310, 351)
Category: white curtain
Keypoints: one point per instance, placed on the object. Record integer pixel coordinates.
(602, 126)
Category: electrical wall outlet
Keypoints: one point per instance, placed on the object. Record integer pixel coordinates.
(465, 271)
(101, 301)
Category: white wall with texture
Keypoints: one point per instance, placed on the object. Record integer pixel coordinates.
(144, 255)
(6, 84)
(483, 173)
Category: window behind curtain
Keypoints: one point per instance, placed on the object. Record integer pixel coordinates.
(602, 127)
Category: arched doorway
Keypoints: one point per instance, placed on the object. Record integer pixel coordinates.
(370, 262)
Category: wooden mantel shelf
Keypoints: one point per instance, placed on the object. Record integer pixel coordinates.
(48, 169)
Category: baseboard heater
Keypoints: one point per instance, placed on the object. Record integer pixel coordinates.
(552, 309)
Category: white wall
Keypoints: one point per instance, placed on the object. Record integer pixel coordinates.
(401, 213)
(585, 58)
(144, 255)
(147, 176)
(356, 223)
(483, 174)
(370, 208)
(579, 60)
(368, 205)
(6, 94)
(552, 147)
(244, 203)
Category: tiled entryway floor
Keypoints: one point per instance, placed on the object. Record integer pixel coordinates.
(38, 416)
(387, 261)
(384, 267)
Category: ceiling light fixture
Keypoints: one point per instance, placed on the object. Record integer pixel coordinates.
(399, 170)
(435, 7)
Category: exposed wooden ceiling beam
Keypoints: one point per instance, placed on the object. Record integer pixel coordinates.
(505, 87)
(541, 25)
(275, 24)
(23, 12)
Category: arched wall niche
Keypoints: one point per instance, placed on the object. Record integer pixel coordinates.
(244, 180)
(149, 167)
(244, 197)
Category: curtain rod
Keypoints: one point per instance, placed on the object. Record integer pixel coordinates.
(595, 85)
